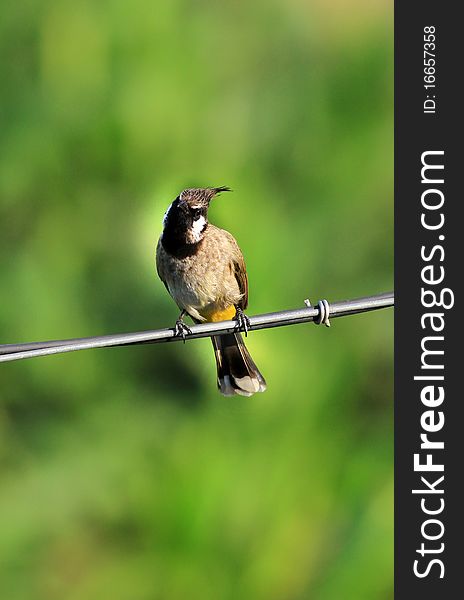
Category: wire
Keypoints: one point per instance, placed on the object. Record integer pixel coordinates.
(318, 314)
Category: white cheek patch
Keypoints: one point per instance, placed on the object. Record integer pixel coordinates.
(165, 218)
(197, 228)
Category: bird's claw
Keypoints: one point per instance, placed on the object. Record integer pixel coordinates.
(243, 322)
(181, 329)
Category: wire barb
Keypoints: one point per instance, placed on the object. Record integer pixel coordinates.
(9, 352)
(324, 312)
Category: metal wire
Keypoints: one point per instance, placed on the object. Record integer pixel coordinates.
(319, 313)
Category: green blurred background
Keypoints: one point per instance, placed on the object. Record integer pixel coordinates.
(123, 473)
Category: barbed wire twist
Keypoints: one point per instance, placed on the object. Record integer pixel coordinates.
(319, 314)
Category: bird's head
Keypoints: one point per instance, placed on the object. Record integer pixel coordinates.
(186, 219)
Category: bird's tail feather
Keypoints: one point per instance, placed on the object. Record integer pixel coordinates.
(236, 371)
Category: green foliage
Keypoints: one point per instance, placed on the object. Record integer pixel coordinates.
(123, 473)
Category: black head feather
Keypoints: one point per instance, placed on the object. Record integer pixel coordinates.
(220, 189)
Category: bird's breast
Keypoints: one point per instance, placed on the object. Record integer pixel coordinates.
(203, 283)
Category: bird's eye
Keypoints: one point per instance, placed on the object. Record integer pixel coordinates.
(196, 213)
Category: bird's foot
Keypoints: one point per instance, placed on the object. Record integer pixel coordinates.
(243, 322)
(181, 329)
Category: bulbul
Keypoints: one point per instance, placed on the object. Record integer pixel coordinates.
(204, 271)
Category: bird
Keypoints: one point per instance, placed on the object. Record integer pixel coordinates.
(203, 269)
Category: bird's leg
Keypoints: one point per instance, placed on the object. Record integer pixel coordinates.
(243, 322)
(180, 328)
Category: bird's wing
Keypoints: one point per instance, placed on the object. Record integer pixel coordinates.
(160, 264)
(242, 280)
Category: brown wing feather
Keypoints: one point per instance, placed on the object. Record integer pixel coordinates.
(159, 270)
(160, 265)
(242, 280)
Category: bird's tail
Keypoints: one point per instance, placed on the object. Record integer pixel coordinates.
(236, 370)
